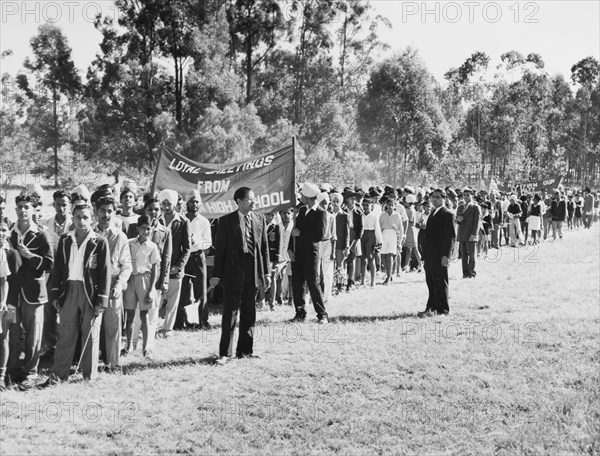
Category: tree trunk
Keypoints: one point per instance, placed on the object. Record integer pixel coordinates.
(55, 121)
(249, 68)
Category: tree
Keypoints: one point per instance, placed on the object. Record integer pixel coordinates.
(400, 111)
(56, 78)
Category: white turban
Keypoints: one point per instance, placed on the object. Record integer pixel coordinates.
(310, 190)
(83, 191)
(170, 195)
(323, 196)
(191, 194)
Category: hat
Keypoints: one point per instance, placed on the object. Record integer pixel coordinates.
(348, 192)
(130, 184)
(523, 197)
(170, 195)
(310, 190)
(323, 196)
(411, 199)
(451, 193)
(83, 191)
(409, 190)
(191, 194)
(467, 190)
(326, 187)
(34, 190)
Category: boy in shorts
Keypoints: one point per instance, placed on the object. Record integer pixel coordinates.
(145, 259)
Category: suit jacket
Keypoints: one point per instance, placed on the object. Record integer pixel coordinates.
(469, 226)
(96, 270)
(180, 244)
(342, 231)
(312, 224)
(30, 278)
(439, 233)
(161, 236)
(229, 252)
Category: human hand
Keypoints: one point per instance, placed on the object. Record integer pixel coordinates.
(55, 304)
(164, 288)
(214, 281)
(291, 255)
(98, 310)
(114, 293)
(445, 261)
(148, 299)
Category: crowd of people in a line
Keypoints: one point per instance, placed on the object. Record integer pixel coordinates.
(82, 285)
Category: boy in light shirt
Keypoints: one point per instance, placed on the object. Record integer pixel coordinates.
(145, 258)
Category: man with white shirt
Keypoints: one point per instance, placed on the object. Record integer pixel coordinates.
(309, 231)
(120, 269)
(80, 291)
(193, 287)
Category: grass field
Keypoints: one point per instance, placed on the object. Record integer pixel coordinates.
(514, 369)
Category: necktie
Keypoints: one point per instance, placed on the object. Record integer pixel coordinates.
(249, 239)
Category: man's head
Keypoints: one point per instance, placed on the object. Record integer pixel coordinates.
(245, 199)
(107, 208)
(127, 198)
(269, 216)
(390, 205)
(62, 202)
(437, 197)
(26, 206)
(467, 194)
(4, 232)
(152, 209)
(192, 201)
(309, 193)
(168, 201)
(82, 218)
(367, 205)
(336, 201)
(2, 207)
(323, 200)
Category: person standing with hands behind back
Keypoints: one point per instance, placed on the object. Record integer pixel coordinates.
(439, 241)
(241, 267)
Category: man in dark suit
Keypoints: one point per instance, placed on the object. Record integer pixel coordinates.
(468, 216)
(241, 267)
(178, 227)
(80, 290)
(310, 229)
(438, 244)
(27, 291)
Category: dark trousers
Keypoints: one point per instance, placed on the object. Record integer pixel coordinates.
(245, 304)
(467, 256)
(30, 323)
(436, 277)
(305, 271)
(193, 288)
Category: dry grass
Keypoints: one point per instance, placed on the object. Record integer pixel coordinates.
(513, 370)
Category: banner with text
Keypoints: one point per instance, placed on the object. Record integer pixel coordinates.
(532, 186)
(270, 176)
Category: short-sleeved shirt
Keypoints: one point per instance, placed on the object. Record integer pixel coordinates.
(143, 256)
(4, 269)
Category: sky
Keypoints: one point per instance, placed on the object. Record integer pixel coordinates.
(445, 33)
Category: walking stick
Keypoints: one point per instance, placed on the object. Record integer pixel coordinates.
(84, 347)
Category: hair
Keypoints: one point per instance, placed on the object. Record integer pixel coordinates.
(143, 220)
(61, 194)
(99, 194)
(31, 199)
(366, 199)
(537, 197)
(2, 200)
(150, 201)
(78, 197)
(125, 191)
(106, 201)
(241, 193)
(441, 191)
(81, 207)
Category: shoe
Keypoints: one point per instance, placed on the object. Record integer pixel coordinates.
(30, 382)
(426, 313)
(248, 356)
(222, 360)
(147, 354)
(206, 326)
(124, 352)
(298, 318)
(51, 381)
(323, 321)
(272, 308)
(278, 301)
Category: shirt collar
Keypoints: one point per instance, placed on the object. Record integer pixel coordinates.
(92, 234)
(32, 227)
(313, 207)
(111, 227)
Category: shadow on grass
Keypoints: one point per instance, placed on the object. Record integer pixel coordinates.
(150, 364)
(371, 318)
